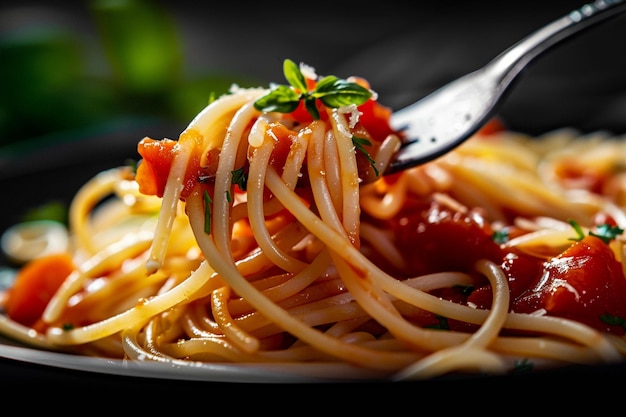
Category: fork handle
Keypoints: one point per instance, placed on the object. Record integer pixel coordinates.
(515, 58)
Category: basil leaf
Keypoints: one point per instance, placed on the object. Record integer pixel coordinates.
(326, 84)
(294, 76)
(311, 107)
(330, 90)
(342, 93)
(281, 99)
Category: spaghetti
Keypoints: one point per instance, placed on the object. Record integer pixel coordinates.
(266, 235)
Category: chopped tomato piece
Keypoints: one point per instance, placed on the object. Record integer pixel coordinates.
(583, 283)
(283, 138)
(375, 119)
(155, 166)
(35, 285)
(434, 238)
(156, 163)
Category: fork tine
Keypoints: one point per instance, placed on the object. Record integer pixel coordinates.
(447, 117)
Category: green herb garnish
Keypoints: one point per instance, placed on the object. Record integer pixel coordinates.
(522, 366)
(239, 178)
(500, 236)
(580, 234)
(606, 232)
(333, 92)
(465, 289)
(442, 324)
(207, 212)
(612, 320)
(358, 144)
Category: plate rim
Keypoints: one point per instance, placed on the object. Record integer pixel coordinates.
(176, 369)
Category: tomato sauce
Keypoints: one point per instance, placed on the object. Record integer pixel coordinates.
(585, 282)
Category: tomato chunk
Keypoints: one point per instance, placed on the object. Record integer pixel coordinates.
(583, 283)
(35, 285)
(157, 159)
(155, 166)
(375, 119)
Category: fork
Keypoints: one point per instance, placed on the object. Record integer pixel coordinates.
(447, 117)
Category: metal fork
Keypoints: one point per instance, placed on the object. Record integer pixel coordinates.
(447, 117)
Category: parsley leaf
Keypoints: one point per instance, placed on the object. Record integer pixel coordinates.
(606, 232)
(500, 236)
(579, 230)
(522, 366)
(442, 324)
(358, 144)
(239, 178)
(207, 212)
(612, 320)
(465, 289)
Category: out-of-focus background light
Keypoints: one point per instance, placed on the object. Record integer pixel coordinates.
(98, 64)
(95, 63)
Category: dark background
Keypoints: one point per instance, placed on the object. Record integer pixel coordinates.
(404, 50)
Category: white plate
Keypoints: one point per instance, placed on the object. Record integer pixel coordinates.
(188, 371)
